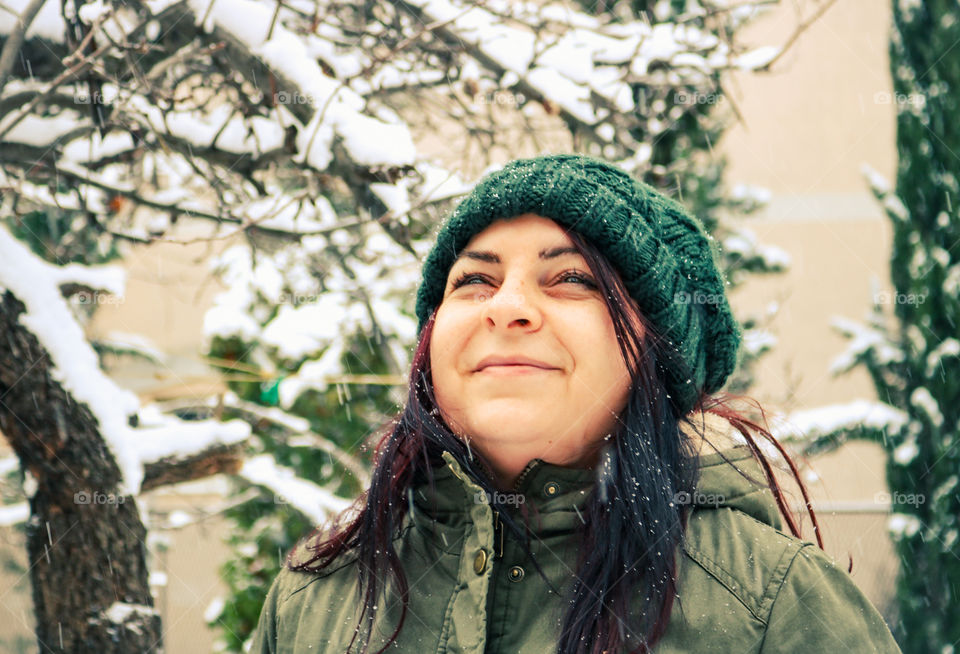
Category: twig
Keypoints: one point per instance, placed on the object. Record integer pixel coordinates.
(15, 40)
(69, 72)
(437, 24)
(801, 28)
(273, 21)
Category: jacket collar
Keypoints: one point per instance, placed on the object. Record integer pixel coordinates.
(545, 486)
(727, 480)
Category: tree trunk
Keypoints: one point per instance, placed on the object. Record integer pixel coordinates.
(86, 543)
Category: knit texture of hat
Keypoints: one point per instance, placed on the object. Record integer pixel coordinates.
(666, 259)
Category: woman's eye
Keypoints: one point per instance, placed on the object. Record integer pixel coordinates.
(584, 280)
(464, 278)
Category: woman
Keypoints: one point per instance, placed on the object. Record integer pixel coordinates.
(561, 479)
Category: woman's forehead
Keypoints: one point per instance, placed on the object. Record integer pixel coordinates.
(527, 233)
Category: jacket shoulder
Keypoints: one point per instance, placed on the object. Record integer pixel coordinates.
(819, 607)
(796, 594)
(746, 556)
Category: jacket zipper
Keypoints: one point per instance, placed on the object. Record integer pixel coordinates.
(497, 526)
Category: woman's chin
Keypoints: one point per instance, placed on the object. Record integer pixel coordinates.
(510, 426)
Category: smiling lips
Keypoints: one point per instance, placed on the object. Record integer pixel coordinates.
(512, 364)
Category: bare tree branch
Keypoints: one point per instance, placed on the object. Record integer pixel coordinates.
(15, 40)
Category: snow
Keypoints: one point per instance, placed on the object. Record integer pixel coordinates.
(312, 375)
(902, 525)
(214, 609)
(299, 331)
(864, 339)
(123, 612)
(750, 195)
(160, 436)
(225, 320)
(949, 543)
(906, 452)
(564, 91)
(565, 15)
(93, 11)
(8, 465)
(568, 68)
(295, 217)
(940, 255)
(395, 197)
(909, 9)
(338, 109)
(229, 317)
(639, 158)
(308, 498)
(945, 490)
(277, 416)
(877, 182)
(950, 347)
(315, 142)
(109, 278)
(41, 131)
(93, 147)
(372, 142)
(895, 207)
(14, 514)
(810, 424)
(922, 399)
(756, 341)
(308, 318)
(73, 362)
(152, 30)
(178, 519)
(606, 132)
(29, 484)
(75, 365)
(135, 343)
(48, 23)
(279, 309)
(222, 127)
(757, 58)
(439, 183)
(951, 283)
(744, 242)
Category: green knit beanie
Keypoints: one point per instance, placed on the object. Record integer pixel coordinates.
(665, 257)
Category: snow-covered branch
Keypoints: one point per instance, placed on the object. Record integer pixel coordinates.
(136, 437)
(827, 427)
(313, 501)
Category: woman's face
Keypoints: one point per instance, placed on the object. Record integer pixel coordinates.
(520, 289)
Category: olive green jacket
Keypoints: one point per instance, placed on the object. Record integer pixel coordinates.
(744, 586)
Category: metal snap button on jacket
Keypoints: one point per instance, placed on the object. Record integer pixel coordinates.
(480, 562)
(551, 488)
(516, 573)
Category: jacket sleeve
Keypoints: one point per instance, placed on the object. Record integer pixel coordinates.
(818, 608)
(264, 637)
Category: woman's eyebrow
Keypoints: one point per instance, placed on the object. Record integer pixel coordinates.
(488, 256)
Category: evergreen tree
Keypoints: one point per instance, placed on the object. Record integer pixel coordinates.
(925, 269)
(913, 355)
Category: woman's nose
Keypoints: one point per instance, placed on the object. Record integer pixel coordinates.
(512, 302)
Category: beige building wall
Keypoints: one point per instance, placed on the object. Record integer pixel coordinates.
(807, 129)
